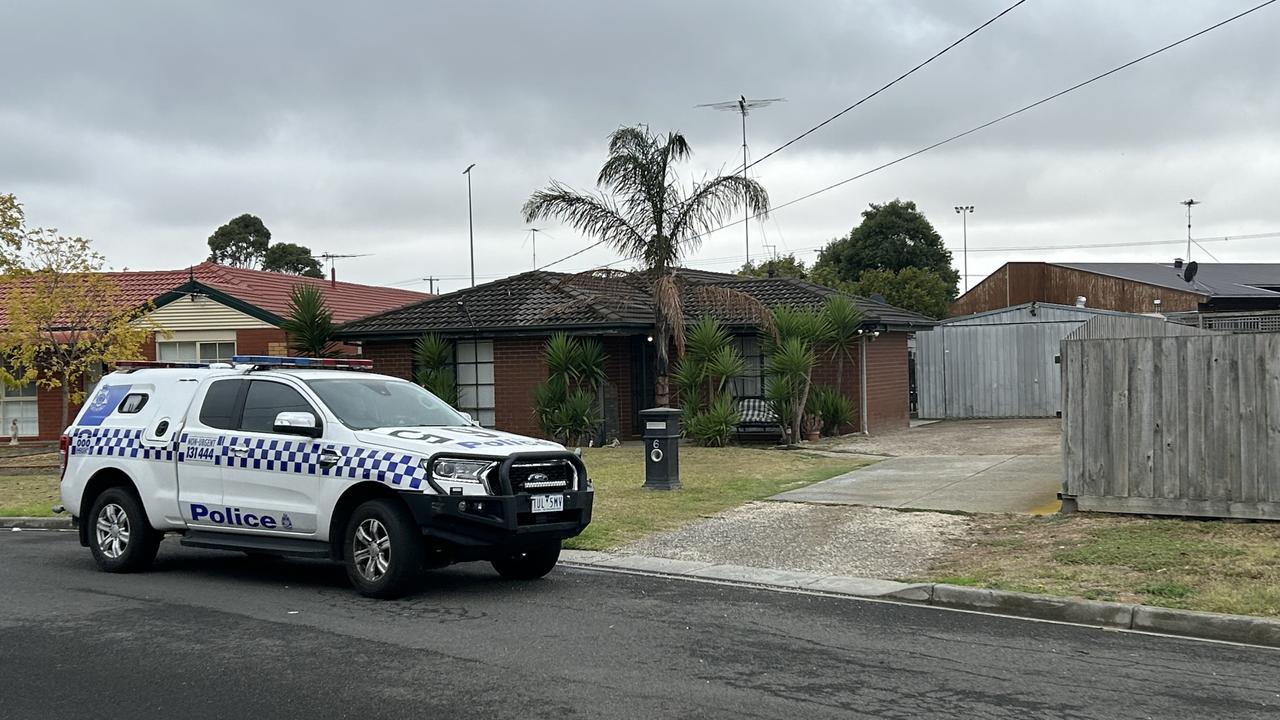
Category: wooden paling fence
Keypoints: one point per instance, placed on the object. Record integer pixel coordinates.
(1173, 425)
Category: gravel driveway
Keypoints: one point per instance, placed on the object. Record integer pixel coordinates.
(856, 541)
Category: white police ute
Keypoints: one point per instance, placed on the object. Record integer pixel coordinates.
(306, 457)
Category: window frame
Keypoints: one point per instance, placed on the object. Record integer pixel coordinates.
(237, 404)
(17, 401)
(146, 397)
(476, 410)
(244, 402)
(198, 345)
(754, 363)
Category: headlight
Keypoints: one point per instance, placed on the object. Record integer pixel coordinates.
(456, 470)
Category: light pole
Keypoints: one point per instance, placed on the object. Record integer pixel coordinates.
(471, 231)
(964, 211)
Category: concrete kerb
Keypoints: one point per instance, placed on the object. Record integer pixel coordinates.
(1123, 616)
(36, 523)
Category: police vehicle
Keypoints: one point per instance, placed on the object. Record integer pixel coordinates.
(313, 458)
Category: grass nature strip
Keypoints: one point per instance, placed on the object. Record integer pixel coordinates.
(1209, 565)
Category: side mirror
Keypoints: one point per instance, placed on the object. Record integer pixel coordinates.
(470, 420)
(297, 423)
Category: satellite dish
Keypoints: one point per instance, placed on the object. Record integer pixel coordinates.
(878, 298)
(1189, 272)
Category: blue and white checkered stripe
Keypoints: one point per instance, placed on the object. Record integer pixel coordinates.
(302, 457)
(117, 442)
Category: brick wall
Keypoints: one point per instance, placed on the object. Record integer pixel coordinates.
(518, 367)
(826, 372)
(49, 406)
(888, 383)
(888, 405)
(395, 358)
(261, 341)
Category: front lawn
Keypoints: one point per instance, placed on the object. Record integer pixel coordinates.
(1230, 567)
(28, 495)
(714, 480)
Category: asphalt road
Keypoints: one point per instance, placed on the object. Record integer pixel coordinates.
(210, 635)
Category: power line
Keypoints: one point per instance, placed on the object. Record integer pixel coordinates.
(884, 87)
(1026, 248)
(966, 133)
(1009, 115)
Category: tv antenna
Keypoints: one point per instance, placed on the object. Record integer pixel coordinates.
(533, 235)
(743, 107)
(1189, 202)
(333, 269)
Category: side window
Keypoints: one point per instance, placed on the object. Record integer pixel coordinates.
(267, 399)
(132, 403)
(219, 408)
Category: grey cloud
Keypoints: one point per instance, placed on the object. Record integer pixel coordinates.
(147, 125)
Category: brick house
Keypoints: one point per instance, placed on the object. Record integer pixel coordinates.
(499, 330)
(209, 312)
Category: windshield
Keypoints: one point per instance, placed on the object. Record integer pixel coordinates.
(368, 403)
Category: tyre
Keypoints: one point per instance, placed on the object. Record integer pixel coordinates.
(383, 549)
(120, 536)
(529, 563)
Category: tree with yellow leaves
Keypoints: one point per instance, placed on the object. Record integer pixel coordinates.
(66, 318)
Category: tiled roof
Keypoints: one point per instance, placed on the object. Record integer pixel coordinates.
(267, 291)
(542, 301)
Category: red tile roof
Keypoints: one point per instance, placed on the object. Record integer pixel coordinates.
(268, 291)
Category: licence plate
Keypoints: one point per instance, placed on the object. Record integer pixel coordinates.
(547, 503)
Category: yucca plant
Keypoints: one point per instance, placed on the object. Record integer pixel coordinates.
(566, 405)
(789, 362)
(841, 326)
(309, 323)
(702, 376)
(714, 425)
(433, 356)
(833, 409)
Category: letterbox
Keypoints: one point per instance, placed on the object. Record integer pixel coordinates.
(661, 448)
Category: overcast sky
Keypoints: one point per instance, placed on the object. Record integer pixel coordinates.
(346, 126)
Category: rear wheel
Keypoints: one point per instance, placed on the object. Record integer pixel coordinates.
(528, 563)
(120, 536)
(383, 549)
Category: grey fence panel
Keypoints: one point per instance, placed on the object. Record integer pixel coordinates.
(1174, 425)
(930, 386)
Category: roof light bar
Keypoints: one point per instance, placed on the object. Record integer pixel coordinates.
(305, 362)
(140, 364)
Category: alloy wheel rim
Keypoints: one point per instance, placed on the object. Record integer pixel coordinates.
(372, 549)
(112, 530)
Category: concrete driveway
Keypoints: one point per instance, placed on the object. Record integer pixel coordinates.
(1026, 484)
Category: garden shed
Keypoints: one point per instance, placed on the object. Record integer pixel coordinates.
(999, 364)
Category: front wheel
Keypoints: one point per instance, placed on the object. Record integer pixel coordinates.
(528, 563)
(120, 537)
(383, 549)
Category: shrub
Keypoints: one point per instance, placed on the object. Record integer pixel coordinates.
(434, 357)
(833, 409)
(702, 377)
(566, 404)
(715, 425)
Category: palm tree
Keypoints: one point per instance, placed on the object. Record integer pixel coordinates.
(642, 210)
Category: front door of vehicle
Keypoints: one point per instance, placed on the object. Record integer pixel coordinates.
(272, 480)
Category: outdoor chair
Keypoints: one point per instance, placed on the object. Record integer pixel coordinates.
(757, 420)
